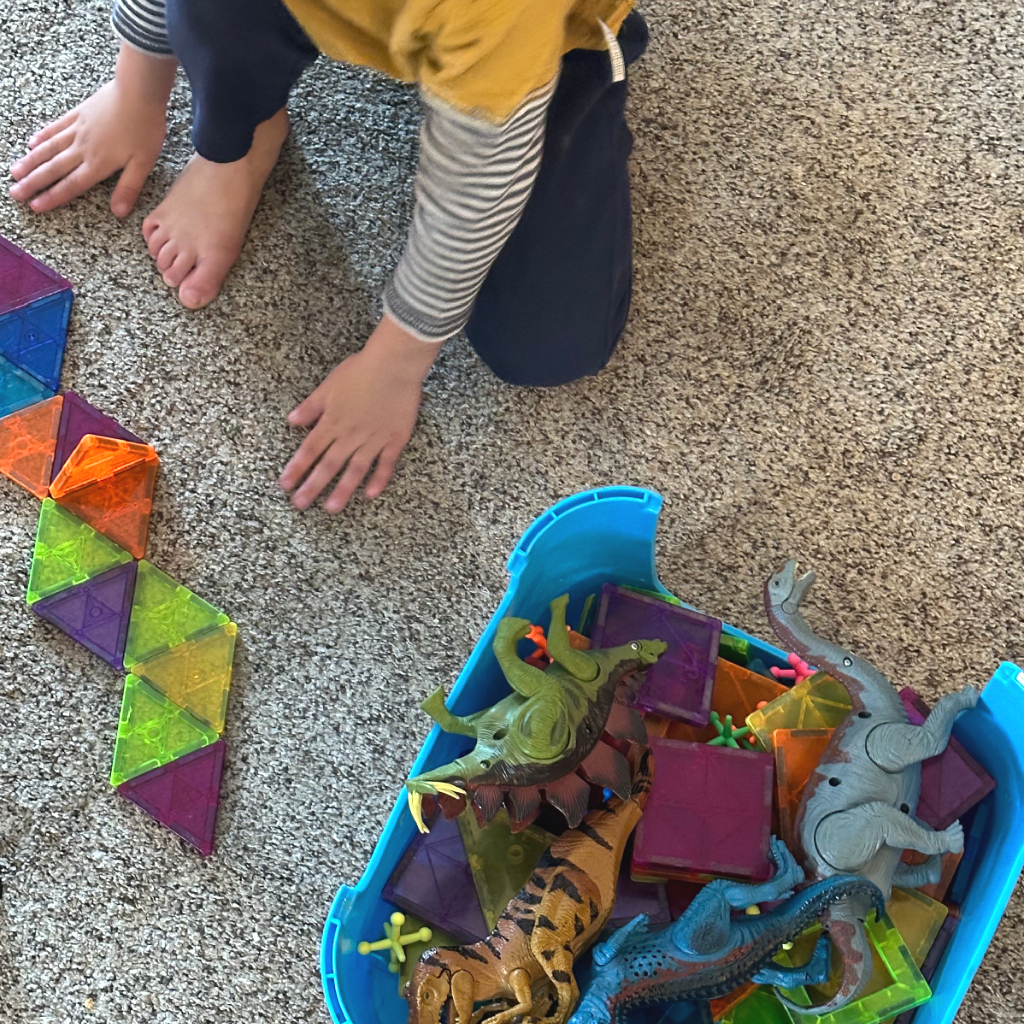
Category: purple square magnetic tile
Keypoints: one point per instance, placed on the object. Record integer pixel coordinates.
(434, 881)
(183, 794)
(23, 278)
(953, 782)
(79, 418)
(679, 684)
(95, 613)
(709, 812)
(632, 898)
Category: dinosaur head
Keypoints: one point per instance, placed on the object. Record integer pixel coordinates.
(647, 652)
(785, 589)
(427, 992)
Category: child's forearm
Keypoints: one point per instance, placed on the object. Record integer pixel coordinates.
(148, 78)
(473, 182)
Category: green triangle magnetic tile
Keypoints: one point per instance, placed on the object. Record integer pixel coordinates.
(196, 674)
(153, 731)
(501, 860)
(165, 614)
(67, 551)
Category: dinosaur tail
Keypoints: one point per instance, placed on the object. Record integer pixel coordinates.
(844, 922)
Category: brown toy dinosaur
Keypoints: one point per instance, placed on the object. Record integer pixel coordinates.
(525, 966)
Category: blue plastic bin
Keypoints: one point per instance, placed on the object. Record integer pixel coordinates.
(575, 547)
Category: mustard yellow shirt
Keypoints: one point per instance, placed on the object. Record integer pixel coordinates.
(482, 57)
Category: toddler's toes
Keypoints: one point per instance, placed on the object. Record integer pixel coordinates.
(156, 240)
(203, 284)
(150, 226)
(167, 255)
(178, 270)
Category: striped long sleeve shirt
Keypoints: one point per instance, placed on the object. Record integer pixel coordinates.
(472, 183)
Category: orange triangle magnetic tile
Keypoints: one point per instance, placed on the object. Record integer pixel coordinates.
(28, 439)
(99, 458)
(196, 675)
(118, 506)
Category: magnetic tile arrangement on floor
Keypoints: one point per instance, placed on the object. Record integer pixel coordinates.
(89, 576)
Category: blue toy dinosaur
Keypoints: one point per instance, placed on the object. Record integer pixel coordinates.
(856, 814)
(708, 953)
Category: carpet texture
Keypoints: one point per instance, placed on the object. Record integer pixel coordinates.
(824, 359)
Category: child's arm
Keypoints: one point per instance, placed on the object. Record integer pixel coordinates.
(473, 182)
(119, 128)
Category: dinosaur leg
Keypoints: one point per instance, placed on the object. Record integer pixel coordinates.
(814, 972)
(435, 706)
(523, 678)
(519, 982)
(788, 875)
(848, 839)
(895, 746)
(462, 997)
(911, 876)
(705, 927)
(578, 664)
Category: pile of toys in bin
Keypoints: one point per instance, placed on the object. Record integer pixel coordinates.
(656, 824)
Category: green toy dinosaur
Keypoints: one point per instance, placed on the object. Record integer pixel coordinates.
(531, 744)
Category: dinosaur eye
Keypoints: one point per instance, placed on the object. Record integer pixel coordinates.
(905, 808)
(834, 781)
(847, 662)
(863, 714)
(485, 764)
(635, 646)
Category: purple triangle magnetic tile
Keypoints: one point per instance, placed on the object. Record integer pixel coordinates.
(23, 278)
(183, 794)
(95, 613)
(78, 419)
(434, 881)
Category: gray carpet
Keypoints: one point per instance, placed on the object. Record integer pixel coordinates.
(824, 358)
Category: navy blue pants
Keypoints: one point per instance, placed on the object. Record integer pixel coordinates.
(556, 299)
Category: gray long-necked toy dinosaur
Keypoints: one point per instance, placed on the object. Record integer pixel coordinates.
(856, 814)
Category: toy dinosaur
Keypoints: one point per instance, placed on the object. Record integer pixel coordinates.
(856, 812)
(531, 744)
(707, 953)
(525, 966)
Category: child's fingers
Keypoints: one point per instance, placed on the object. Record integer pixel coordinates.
(129, 185)
(357, 468)
(308, 412)
(52, 129)
(385, 468)
(329, 466)
(40, 155)
(73, 184)
(316, 443)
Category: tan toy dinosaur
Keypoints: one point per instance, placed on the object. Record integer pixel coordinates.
(525, 966)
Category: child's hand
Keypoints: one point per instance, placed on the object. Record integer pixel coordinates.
(119, 128)
(364, 413)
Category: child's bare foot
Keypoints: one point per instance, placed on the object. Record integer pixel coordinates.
(196, 233)
(119, 128)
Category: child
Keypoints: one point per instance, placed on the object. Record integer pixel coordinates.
(521, 233)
